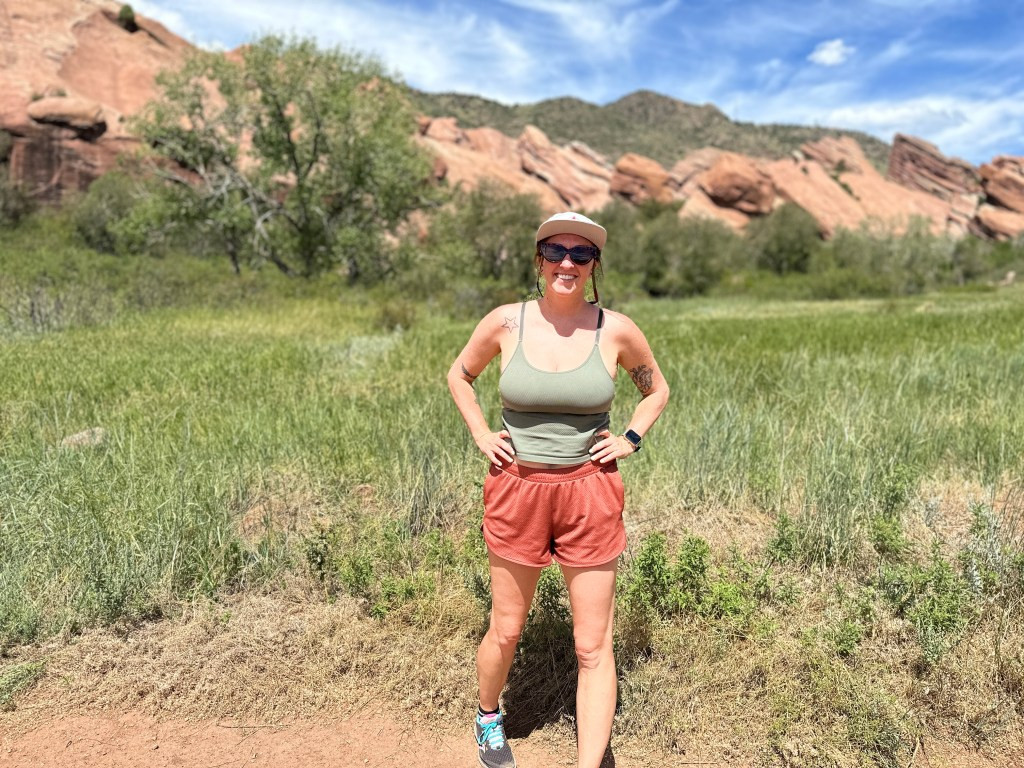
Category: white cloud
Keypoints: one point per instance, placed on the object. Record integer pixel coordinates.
(609, 29)
(831, 53)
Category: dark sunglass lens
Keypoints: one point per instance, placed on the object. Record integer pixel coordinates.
(553, 252)
(583, 254)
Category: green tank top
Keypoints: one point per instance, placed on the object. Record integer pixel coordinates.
(553, 416)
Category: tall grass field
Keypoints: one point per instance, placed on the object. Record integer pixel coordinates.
(826, 563)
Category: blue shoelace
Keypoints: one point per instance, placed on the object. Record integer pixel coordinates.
(492, 733)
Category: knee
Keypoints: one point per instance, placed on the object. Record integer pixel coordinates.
(506, 635)
(591, 652)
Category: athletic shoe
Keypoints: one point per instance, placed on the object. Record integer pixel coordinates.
(494, 751)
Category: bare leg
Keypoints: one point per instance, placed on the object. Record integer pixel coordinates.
(592, 597)
(512, 588)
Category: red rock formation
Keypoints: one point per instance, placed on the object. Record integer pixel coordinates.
(638, 178)
(91, 72)
(733, 181)
(475, 155)
(880, 200)
(810, 186)
(576, 174)
(916, 164)
(997, 223)
(697, 205)
(682, 179)
(1003, 181)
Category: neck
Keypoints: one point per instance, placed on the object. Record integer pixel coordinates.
(553, 305)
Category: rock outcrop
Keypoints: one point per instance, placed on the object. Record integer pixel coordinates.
(638, 178)
(1003, 182)
(734, 181)
(916, 164)
(69, 75)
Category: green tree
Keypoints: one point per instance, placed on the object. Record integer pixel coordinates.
(684, 257)
(785, 239)
(294, 155)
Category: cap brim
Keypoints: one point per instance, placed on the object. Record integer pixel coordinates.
(595, 233)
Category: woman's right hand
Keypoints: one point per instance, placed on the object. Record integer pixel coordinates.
(495, 446)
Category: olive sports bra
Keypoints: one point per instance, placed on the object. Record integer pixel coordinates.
(552, 416)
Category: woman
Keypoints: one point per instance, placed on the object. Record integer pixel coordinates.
(553, 490)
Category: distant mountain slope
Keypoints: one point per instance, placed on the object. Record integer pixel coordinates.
(645, 122)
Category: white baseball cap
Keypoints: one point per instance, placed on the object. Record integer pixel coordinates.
(573, 224)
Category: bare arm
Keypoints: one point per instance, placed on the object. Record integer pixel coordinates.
(636, 357)
(483, 346)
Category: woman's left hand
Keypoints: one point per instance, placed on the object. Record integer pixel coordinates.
(610, 447)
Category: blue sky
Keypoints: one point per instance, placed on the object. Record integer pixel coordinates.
(949, 71)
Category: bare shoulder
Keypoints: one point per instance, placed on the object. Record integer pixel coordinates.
(504, 318)
(621, 328)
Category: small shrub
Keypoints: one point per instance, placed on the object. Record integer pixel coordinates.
(105, 205)
(785, 239)
(785, 544)
(933, 597)
(846, 637)
(396, 314)
(15, 202)
(6, 145)
(126, 18)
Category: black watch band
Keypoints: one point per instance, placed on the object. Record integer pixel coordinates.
(634, 438)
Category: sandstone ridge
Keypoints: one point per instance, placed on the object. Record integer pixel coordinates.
(70, 74)
(830, 178)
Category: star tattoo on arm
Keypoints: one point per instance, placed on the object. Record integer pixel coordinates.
(643, 377)
(510, 323)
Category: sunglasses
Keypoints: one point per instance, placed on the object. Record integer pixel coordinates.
(580, 254)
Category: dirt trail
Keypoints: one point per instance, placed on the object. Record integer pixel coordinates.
(365, 740)
(361, 741)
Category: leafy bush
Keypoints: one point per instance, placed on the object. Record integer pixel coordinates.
(785, 239)
(933, 597)
(684, 257)
(477, 253)
(99, 212)
(15, 203)
(126, 18)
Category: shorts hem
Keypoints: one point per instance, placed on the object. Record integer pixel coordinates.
(602, 561)
(517, 560)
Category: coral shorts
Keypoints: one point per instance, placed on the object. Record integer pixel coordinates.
(572, 515)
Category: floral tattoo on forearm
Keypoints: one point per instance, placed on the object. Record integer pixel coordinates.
(643, 377)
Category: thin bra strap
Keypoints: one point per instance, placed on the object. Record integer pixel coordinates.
(600, 325)
(522, 316)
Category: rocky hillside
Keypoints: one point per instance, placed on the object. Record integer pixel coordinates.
(643, 122)
(72, 70)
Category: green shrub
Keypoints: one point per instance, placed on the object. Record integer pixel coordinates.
(684, 257)
(486, 233)
(15, 203)
(933, 597)
(102, 209)
(126, 18)
(6, 145)
(785, 239)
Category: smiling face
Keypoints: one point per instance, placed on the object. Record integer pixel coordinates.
(566, 278)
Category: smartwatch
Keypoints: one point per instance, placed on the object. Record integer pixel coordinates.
(633, 438)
